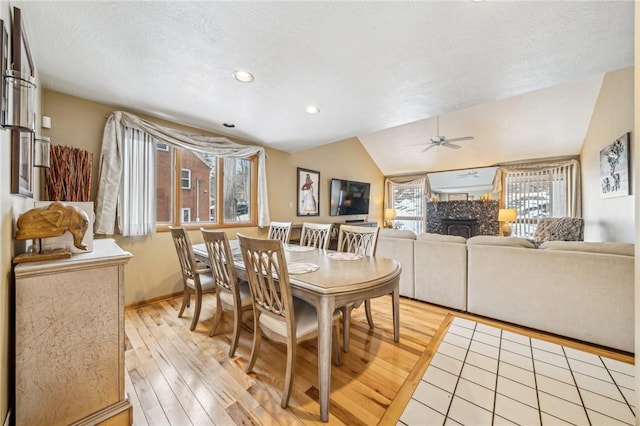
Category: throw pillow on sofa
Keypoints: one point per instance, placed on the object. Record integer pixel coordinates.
(560, 229)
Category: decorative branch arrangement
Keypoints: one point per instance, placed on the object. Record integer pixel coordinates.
(69, 177)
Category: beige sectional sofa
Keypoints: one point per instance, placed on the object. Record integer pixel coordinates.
(441, 270)
(581, 290)
(398, 244)
(576, 289)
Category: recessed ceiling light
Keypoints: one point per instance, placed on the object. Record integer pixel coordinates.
(229, 125)
(243, 76)
(312, 109)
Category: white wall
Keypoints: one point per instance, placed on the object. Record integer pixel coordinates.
(609, 219)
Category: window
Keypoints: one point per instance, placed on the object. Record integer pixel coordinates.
(539, 194)
(212, 190)
(186, 215)
(185, 179)
(130, 193)
(409, 201)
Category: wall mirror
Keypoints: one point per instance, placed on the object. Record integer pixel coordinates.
(468, 184)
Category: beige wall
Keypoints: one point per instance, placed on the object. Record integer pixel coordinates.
(609, 219)
(153, 271)
(11, 206)
(346, 159)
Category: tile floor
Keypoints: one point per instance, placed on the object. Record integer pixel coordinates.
(483, 375)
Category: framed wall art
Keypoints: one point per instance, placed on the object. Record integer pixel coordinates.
(18, 109)
(614, 168)
(308, 192)
(21, 163)
(4, 59)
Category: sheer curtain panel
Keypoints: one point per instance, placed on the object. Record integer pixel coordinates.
(136, 209)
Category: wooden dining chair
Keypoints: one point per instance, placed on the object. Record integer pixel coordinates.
(315, 235)
(360, 240)
(276, 313)
(196, 278)
(279, 231)
(233, 294)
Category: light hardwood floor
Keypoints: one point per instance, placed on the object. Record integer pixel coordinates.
(178, 377)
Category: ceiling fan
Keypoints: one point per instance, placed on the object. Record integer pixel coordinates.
(439, 140)
(470, 173)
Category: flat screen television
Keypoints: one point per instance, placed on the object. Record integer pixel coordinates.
(349, 197)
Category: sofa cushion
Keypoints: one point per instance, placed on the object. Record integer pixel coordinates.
(441, 238)
(491, 240)
(624, 249)
(397, 233)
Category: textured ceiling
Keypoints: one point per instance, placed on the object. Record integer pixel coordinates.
(368, 66)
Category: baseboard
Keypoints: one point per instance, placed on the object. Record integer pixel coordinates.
(152, 300)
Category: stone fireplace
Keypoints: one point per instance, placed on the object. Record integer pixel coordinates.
(463, 218)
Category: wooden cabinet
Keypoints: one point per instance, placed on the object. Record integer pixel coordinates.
(69, 339)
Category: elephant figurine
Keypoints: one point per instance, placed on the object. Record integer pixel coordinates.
(52, 221)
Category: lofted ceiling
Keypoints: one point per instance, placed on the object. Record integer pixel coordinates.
(522, 77)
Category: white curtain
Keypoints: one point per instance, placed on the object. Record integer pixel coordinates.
(136, 210)
(111, 163)
(568, 168)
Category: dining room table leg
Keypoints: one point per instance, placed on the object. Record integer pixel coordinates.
(396, 314)
(325, 323)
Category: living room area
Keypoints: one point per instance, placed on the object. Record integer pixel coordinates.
(458, 293)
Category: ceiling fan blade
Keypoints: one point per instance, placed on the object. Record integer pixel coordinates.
(450, 145)
(460, 139)
(428, 148)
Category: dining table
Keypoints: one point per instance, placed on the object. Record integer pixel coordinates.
(328, 280)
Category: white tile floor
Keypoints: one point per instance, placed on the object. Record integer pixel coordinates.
(482, 375)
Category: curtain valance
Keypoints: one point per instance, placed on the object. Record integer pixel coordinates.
(111, 162)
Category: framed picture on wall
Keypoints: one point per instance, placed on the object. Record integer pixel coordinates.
(4, 58)
(308, 192)
(614, 168)
(21, 163)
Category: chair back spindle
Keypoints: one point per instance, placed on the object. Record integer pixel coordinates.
(358, 239)
(279, 231)
(268, 281)
(315, 235)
